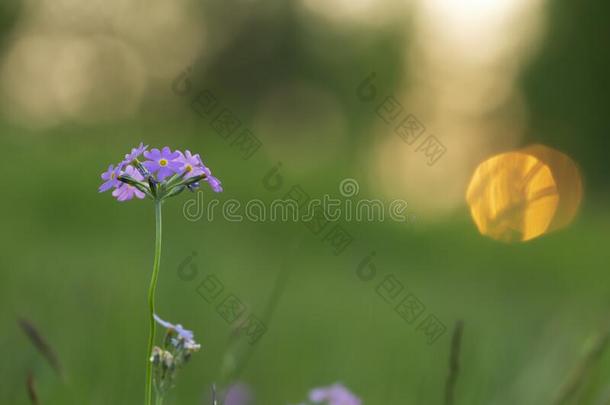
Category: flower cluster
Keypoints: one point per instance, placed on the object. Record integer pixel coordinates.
(163, 173)
(178, 346)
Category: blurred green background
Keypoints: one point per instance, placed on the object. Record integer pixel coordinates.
(83, 83)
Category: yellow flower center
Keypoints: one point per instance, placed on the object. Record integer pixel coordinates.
(188, 168)
(162, 162)
(112, 176)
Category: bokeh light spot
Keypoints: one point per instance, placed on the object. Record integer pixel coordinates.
(567, 179)
(518, 196)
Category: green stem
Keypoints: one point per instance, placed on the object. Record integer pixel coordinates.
(151, 302)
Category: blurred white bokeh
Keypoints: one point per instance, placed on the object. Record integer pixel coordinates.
(81, 61)
(462, 68)
(373, 13)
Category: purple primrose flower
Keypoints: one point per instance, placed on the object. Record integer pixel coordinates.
(163, 162)
(110, 178)
(191, 164)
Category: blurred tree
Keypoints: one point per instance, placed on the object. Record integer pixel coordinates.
(9, 10)
(568, 86)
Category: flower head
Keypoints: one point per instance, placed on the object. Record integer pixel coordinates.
(163, 162)
(335, 394)
(110, 178)
(125, 191)
(164, 174)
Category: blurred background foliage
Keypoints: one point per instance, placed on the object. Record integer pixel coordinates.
(82, 82)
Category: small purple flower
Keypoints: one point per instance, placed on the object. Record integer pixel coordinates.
(126, 192)
(164, 162)
(134, 154)
(186, 334)
(110, 178)
(336, 394)
(238, 394)
(191, 164)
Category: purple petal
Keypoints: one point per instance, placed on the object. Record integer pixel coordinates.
(175, 155)
(163, 323)
(163, 173)
(153, 154)
(214, 183)
(185, 333)
(106, 186)
(151, 165)
(133, 172)
(318, 395)
(175, 166)
(336, 394)
(107, 174)
(121, 193)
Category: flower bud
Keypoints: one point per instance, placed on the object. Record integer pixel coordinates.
(155, 357)
(193, 180)
(174, 191)
(167, 360)
(135, 183)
